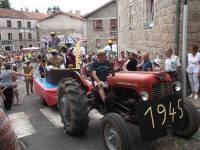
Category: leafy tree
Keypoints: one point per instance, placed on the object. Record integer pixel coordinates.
(36, 10)
(5, 4)
(58, 8)
(49, 9)
(54, 9)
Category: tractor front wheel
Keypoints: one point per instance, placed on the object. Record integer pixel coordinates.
(116, 135)
(191, 119)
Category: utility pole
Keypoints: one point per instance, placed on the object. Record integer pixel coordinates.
(184, 46)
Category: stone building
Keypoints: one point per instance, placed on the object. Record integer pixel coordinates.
(101, 25)
(63, 23)
(18, 29)
(150, 25)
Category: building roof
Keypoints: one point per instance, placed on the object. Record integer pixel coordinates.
(101, 7)
(35, 16)
(79, 17)
(16, 14)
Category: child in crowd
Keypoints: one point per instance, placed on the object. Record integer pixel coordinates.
(15, 90)
(42, 68)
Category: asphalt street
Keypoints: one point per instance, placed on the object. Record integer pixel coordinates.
(39, 128)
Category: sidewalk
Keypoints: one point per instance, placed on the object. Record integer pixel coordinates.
(195, 102)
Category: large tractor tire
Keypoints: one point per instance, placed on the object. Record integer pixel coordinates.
(191, 119)
(116, 135)
(73, 107)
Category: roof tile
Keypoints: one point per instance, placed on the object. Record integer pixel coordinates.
(16, 14)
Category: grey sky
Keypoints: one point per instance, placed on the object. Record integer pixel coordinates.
(66, 5)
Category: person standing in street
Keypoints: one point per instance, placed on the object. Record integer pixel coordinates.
(7, 84)
(193, 70)
(146, 64)
(122, 61)
(172, 64)
(29, 80)
(131, 63)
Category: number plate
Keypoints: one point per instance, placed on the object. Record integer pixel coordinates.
(154, 117)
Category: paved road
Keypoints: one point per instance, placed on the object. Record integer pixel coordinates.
(39, 128)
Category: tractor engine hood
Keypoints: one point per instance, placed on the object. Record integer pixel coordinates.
(137, 79)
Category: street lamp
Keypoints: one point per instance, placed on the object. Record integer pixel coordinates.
(110, 43)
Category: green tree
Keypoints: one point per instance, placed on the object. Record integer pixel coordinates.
(56, 9)
(49, 9)
(5, 4)
(36, 10)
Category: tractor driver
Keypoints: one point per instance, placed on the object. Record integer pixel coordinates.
(100, 70)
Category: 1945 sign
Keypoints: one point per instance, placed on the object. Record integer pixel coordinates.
(154, 117)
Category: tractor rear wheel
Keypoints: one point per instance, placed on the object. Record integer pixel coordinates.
(191, 119)
(116, 135)
(73, 107)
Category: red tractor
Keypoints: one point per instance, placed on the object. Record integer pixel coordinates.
(148, 100)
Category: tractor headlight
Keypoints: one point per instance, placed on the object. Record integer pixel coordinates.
(144, 95)
(177, 86)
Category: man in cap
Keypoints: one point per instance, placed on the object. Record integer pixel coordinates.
(55, 60)
(100, 70)
(54, 41)
(29, 80)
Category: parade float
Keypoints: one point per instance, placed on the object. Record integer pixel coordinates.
(47, 88)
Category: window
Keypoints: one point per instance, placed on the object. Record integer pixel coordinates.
(21, 46)
(10, 36)
(149, 13)
(30, 45)
(113, 24)
(29, 25)
(97, 24)
(20, 36)
(19, 24)
(9, 23)
(98, 43)
(9, 48)
(29, 36)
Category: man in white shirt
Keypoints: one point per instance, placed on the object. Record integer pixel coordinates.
(172, 64)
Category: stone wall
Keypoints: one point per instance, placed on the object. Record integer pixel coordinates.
(105, 14)
(194, 22)
(134, 36)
